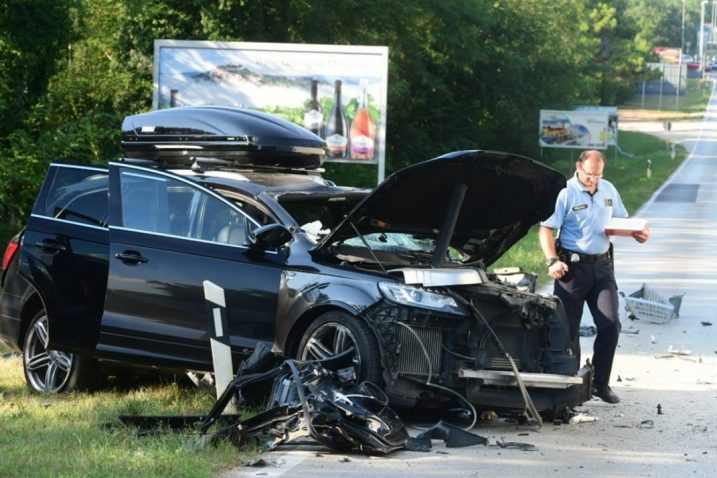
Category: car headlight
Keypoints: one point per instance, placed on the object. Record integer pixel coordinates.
(416, 297)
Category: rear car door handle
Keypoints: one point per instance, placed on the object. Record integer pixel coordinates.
(50, 245)
(131, 257)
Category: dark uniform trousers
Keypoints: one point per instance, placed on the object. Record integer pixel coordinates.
(595, 284)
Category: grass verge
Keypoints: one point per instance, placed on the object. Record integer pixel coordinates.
(627, 174)
(66, 435)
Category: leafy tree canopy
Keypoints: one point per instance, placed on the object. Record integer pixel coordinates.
(462, 73)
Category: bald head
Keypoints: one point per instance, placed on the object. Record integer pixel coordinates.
(591, 154)
(589, 167)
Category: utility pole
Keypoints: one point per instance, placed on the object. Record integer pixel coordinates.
(702, 37)
(712, 27)
(682, 45)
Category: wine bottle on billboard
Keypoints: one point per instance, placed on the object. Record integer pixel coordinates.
(363, 130)
(313, 113)
(336, 129)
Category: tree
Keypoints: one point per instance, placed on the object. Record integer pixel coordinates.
(462, 73)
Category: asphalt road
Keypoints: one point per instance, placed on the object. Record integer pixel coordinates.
(629, 439)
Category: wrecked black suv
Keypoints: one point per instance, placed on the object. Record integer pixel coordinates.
(111, 265)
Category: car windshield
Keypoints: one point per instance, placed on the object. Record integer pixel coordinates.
(420, 248)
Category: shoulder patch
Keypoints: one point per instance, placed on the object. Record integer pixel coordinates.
(580, 207)
(608, 202)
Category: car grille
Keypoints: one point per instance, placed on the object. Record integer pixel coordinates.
(412, 359)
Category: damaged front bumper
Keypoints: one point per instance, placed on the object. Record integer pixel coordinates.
(514, 344)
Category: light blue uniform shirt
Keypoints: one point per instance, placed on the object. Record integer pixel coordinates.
(581, 217)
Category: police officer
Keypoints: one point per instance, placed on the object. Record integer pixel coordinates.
(581, 260)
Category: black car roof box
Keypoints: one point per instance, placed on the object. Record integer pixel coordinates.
(234, 135)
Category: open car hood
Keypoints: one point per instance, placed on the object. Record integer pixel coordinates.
(220, 134)
(499, 197)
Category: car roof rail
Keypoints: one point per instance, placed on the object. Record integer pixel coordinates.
(199, 164)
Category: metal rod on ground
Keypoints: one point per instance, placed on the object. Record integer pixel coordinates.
(219, 340)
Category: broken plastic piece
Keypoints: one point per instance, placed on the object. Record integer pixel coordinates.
(648, 304)
(582, 418)
(679, 351)
(646, 424)
(517, 445)
(453, 437)
(588, 330)
(261, 462)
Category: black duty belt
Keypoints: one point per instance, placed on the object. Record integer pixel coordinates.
(572, 257)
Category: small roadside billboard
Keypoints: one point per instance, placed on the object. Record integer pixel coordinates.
(573, 129)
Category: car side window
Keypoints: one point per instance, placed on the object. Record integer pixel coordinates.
(157, 203)
(78, 195)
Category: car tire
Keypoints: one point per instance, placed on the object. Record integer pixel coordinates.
(334, 332)
(53, 371)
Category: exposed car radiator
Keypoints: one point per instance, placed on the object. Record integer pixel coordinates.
(512, 339)
(411, 358)
(525, 346)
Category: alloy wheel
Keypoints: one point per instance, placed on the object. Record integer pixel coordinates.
(330, 340)
(47, 370)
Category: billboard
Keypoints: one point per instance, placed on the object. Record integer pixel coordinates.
(336, 91)
(612, 120)
(573, 129)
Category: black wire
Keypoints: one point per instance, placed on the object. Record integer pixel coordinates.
(529, 405)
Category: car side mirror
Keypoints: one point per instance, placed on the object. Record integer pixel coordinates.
(270, 236)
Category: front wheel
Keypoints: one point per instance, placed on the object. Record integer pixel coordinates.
(336, 332)
(54, 371)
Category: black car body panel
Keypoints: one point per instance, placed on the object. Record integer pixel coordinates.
(118, 258)
(16, 294)
(64, 253)
(304, 295)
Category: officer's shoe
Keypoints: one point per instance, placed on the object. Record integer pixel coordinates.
(605, 393)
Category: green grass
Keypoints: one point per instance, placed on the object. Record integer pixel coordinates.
(695, 101)
(627, 174)
(66, 435)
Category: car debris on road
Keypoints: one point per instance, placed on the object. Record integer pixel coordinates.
(319, 399)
